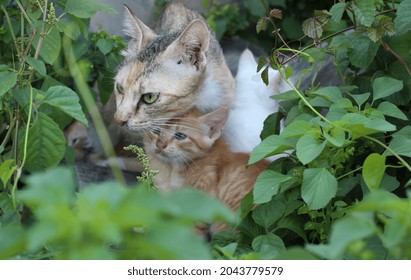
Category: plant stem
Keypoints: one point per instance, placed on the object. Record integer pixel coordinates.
(20, 169)
(13, 36)
(91, 107)
(349, 173)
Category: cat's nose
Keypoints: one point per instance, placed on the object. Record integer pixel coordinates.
(161, 145)
(121, 120)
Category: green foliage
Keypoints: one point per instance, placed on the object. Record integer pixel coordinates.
(339, 193)
(108, 221)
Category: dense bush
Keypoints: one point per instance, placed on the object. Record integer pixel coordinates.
(341, 193)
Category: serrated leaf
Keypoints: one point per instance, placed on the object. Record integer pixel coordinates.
(309, 148)
(7, 81)
(271, 145)
(264, 76)
(269, 245)
(262, 61)
(337, 11)
(363, 51)
(268, 183)
(87, 9)
(385, 86)
(403, 19)
(46, 144)
(66, 100)
(276, 13)
(364, 11)
(373, 170)
(389, 109)
(261, 25)
(312, 28)
(37, 65)
(318, 188)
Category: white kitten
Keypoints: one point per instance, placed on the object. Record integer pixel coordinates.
(252, 104)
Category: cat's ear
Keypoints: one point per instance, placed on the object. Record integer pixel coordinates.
(193, 43)
(215, 121)
(140, 33)
(246, 60)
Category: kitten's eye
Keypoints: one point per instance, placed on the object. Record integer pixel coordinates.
(179, 61)
(150, 98)
(180, 136)
(156, 130)
(119, 88)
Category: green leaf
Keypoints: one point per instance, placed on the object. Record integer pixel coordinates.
(7, 81)
(389, 109)
(403, 18)
(364, 11)
(262, 61)
(309, 148)
(269, 245)
(50, 48)
(66, 100)
(7, 169)
(337, 11)
(267, 214)
(261, 25)
(294, 224)
(45, 188)
(46, 144)
(296, 129)
(385, 86)
(264, 75)
(361, 98)
(268, 183)
(332, 94)
(272, 125)
(400, 145)
(271, 145)
(318, 188)
(70, 28)
(105, 45)
(312, 27)
(336, 137)
(87, 9)
(363, 51)
(37, 65)
(373, 170)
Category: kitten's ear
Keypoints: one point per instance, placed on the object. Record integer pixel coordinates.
(140, 33)
(193, 43)
(215, 121)
(247, 59)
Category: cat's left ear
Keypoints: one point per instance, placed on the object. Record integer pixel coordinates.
(193, 44)
(215, 121)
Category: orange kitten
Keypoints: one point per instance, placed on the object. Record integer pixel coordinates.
(188, 151)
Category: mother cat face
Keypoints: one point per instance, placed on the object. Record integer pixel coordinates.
(161, 74)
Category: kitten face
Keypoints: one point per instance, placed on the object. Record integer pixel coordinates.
(186, 138)
(161, 73)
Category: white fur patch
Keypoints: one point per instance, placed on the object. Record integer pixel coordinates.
(252, 105)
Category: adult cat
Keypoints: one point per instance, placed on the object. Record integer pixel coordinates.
(169, 70)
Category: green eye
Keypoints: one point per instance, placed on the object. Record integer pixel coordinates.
(150, 98)
(119, 88)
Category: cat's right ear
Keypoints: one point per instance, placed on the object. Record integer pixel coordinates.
(215, 121)
(140, 33)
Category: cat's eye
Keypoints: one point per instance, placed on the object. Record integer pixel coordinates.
(156, 130)
(180, 136)
(119, 88)
(150, 98)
